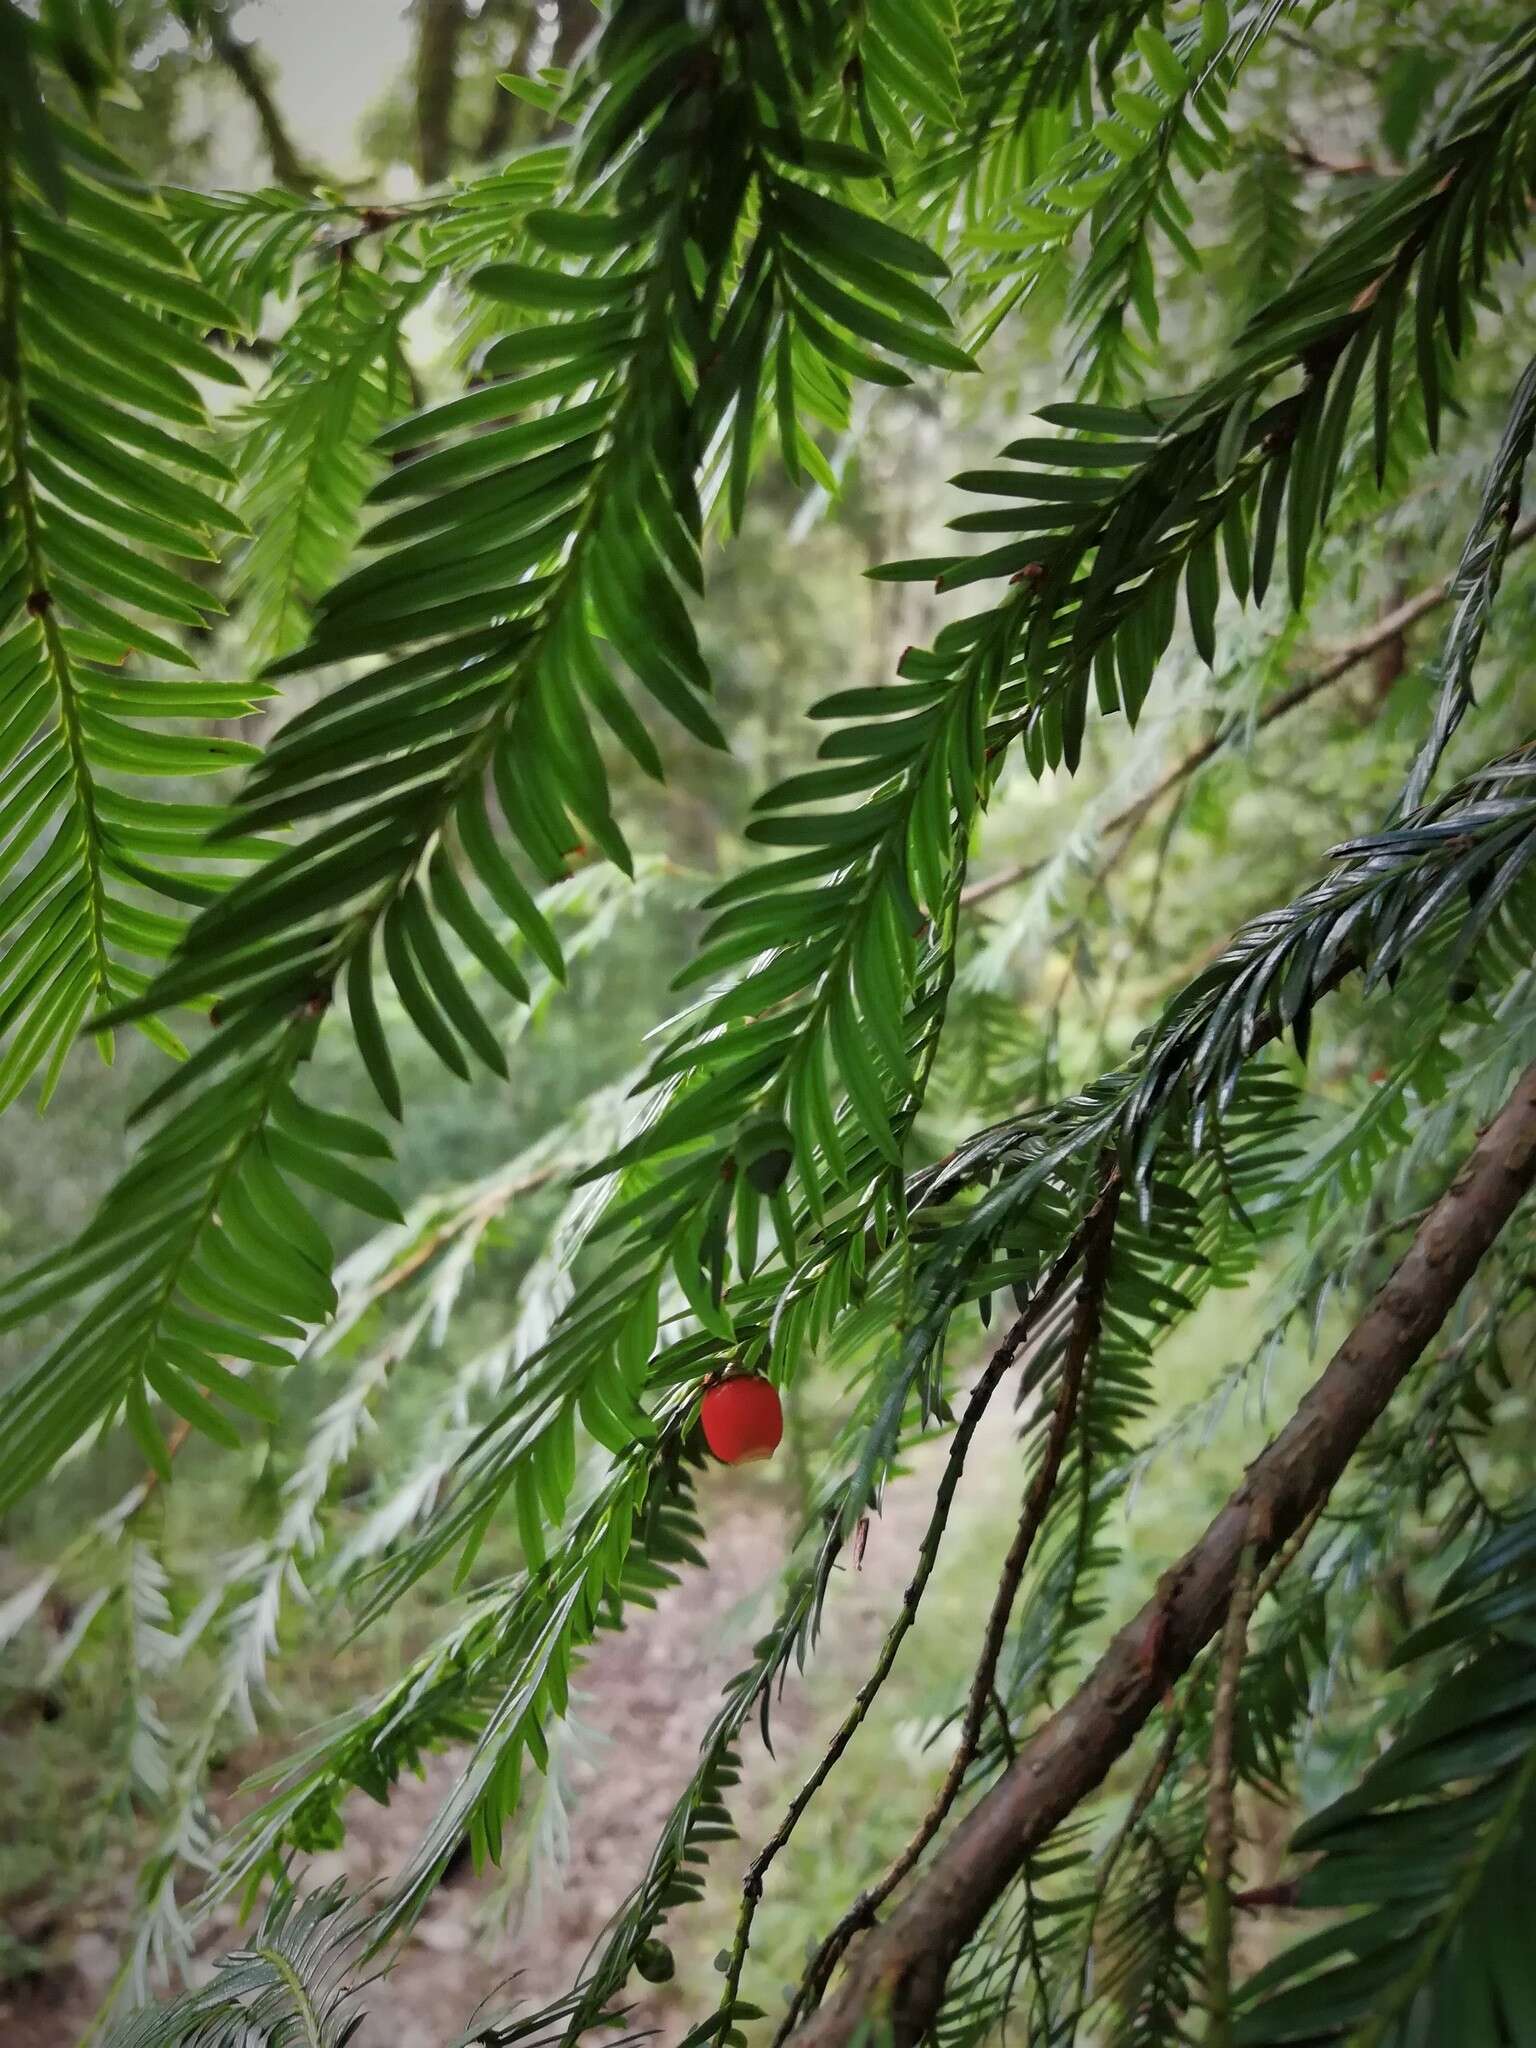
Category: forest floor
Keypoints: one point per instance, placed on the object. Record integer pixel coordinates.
(644, 1700)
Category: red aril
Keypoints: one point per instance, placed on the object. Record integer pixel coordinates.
(742, 1420)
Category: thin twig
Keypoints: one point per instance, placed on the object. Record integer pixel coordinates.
(1004, 1357)
(437, 53)
(1286, 1556)
(483, 1210)
(1311, 159)
(153, 1474)
(1221, 1812)
(1128, 820)
(1087, 1321)
(1146, 1792)
(1156, 1776)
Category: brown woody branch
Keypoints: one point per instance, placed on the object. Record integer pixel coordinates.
(1311, 159)
(437, 59)
(899, 1971)
(1082, 1342)
(1221, 1806)
(1284, 1895)
(504, 114)
(244, 67)
(1387, 633)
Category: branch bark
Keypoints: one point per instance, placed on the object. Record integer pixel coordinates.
(576, 24)
(579, 22)
(1387, 632)
(1221, 1808)
(437, 57)
(899, 1971)
(241, 62)
(505, 111)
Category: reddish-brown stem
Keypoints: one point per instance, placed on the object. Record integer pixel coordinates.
(1087, 1321)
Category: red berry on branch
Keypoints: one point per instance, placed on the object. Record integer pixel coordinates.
(743, 1421)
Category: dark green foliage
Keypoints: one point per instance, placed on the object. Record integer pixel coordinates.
(1477, 583)
(1424, 1868)
(411, 760)
(748, 219)
(107, 482)
(516, 566)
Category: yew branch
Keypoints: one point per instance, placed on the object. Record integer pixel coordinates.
(897, 1975)
(1349, 655)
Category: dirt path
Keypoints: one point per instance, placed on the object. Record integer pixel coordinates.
(642, 1706)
